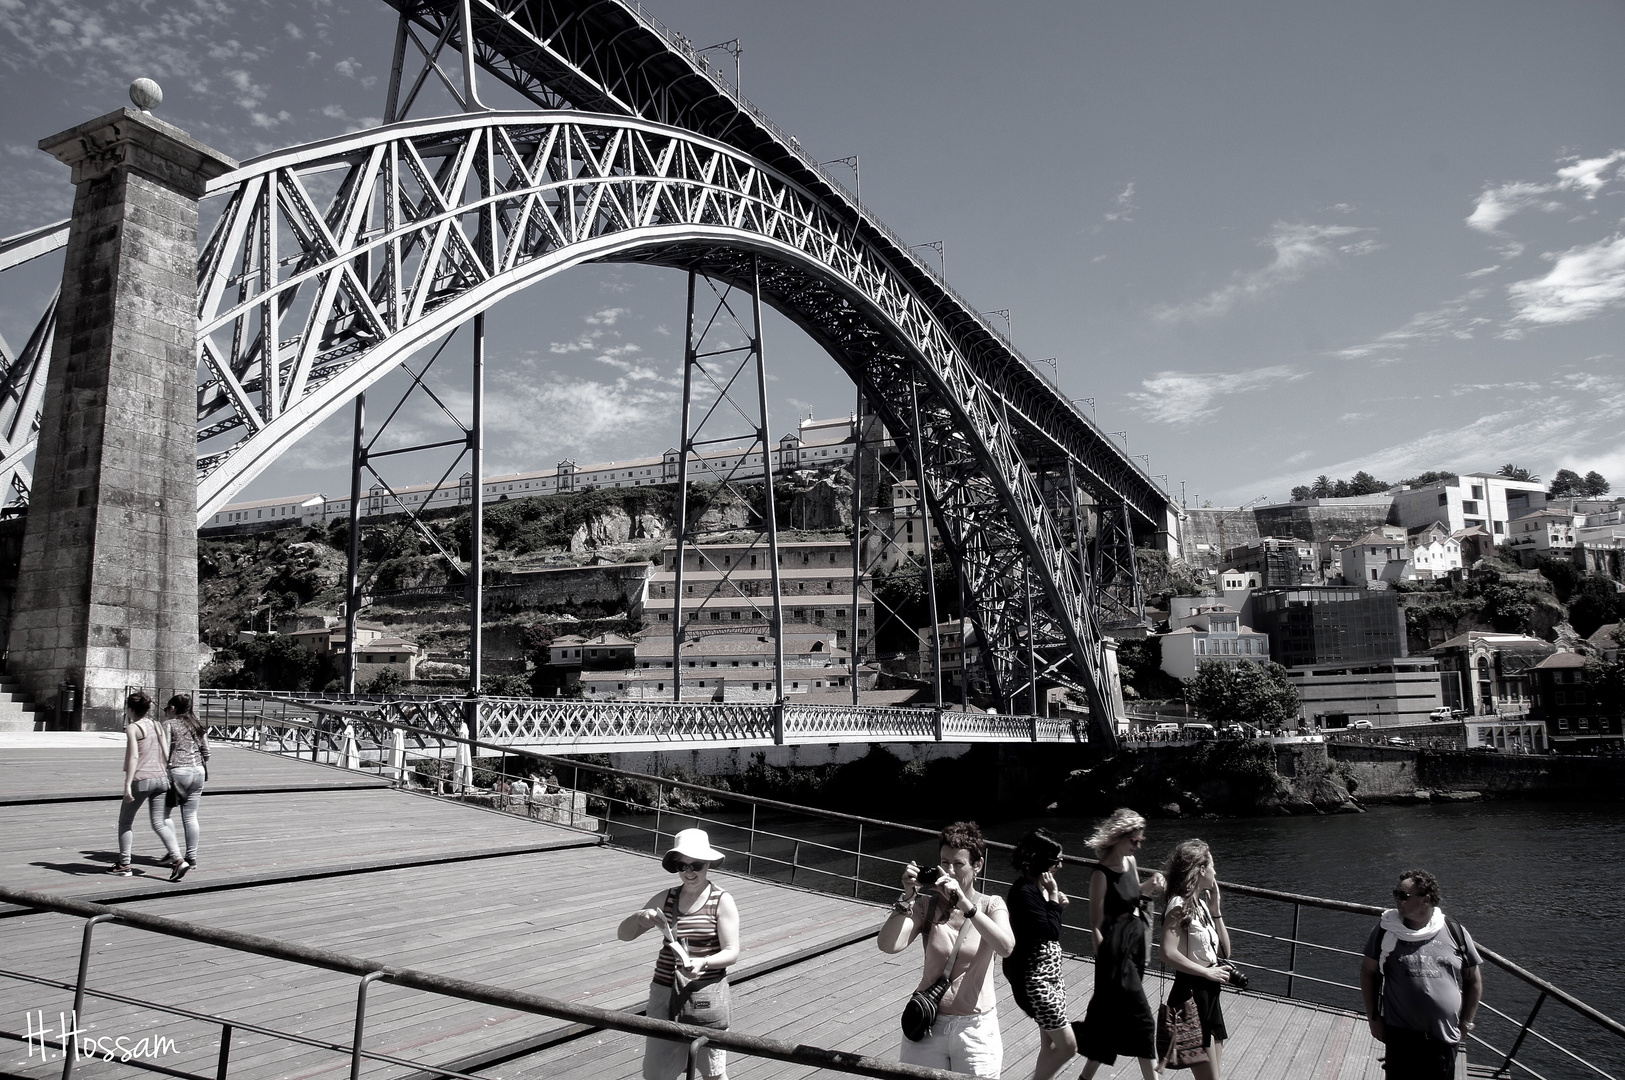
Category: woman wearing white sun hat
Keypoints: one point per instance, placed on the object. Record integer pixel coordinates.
(700, 925)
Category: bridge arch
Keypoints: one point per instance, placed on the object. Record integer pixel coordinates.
(331, 262)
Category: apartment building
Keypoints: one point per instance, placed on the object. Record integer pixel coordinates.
(723, 667)
(729, 588)
(1211, 632)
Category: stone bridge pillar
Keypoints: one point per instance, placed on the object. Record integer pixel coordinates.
(107, 589)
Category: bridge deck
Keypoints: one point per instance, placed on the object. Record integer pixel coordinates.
(410, 880)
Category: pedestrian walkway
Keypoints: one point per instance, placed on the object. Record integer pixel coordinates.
(413, 880)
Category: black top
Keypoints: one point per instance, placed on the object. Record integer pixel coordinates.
(1122, 893)
(1033, 919)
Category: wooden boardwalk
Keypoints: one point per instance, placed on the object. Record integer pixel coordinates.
(411, 880)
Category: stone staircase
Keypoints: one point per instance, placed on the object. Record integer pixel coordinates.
(17, 710)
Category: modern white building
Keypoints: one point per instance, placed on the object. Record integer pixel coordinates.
(1481, 499)
(1391, 693)
(1434, 551)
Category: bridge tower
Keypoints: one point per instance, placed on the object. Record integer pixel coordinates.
(107, 591)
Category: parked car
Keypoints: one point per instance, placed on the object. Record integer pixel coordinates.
(1395, 740)
(1198, 731)
(1360, 725)
(1442, 713)
(1165, 729)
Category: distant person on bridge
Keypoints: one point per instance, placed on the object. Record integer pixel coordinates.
(1119, 1020)
(1421, 982)
(1034, 968)
(1195, 943)
(188, 769)
(700, 924)
(146, 779)
(963, 930)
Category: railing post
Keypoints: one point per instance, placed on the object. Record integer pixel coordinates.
(575, 786)
(70, 1054)
(360, 1021)
(795, 861)
(857, 863)
(694, 1049)
(750, 856)
(225, 1053)
(1292, 960)
(1522, 1032)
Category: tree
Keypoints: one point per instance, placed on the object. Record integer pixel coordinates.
(1322, 486)
(1594, 604)
(1302, 493)
(1595, 486)
(1567, 482)
(1431, 477)
(1364, 483)
(1243, 693)
(1517, 472)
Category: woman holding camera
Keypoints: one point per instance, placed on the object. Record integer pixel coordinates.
(1194, 942)
(1119, 1020)
(1034, 969)
(963, 931)
(700, 923)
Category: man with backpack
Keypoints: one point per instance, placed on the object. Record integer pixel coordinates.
(1421, 983)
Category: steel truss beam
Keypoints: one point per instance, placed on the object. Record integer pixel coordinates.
(304, 300)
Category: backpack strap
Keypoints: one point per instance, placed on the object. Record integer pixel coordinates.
(1458, 936)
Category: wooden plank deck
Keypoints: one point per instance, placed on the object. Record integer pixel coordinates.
(387, 875)
(95, 771)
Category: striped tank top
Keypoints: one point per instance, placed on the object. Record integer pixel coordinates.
(697, 931)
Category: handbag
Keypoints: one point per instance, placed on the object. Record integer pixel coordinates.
(1179, 1031)
(921, 1011)
(1179, 1036)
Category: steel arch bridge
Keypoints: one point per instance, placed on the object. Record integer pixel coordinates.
(332, 262)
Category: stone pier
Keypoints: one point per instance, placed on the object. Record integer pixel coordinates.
(107, 590)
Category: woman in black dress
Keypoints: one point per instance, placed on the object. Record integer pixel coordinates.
(1119, 1020)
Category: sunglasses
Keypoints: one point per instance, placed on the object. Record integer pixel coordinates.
(1401, 895)
(686, 867)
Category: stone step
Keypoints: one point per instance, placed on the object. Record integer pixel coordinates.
(18, 712)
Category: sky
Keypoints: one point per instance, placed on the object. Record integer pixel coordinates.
(1267, 240)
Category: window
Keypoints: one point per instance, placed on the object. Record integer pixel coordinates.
(1500, 527)
(1468, 506)
(1444, 500)
(1562, 699)
(1478, 491)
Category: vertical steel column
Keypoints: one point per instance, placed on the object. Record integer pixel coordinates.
(857, 531)
(476, 513)
(769, 520)
(964, 651)
(393, 100)
(352, 588)
(930, 563)
(1032, 665)
(689, 360)
(1134, 567)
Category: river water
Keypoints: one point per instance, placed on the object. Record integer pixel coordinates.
(1543, 884)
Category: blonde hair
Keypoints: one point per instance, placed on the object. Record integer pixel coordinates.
(1121, 822)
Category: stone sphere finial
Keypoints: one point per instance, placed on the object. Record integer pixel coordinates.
(146, 94)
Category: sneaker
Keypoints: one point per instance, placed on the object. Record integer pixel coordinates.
(169, 861)
(122, 870)
(180, 870)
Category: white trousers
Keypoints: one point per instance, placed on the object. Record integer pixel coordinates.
(962, 1044)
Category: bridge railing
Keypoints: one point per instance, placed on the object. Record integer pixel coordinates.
(71, 1048)
(1301, 947)
(581, 724)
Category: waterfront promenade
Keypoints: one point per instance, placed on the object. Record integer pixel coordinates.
(320, 857)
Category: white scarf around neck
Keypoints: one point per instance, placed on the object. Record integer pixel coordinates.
(1395, 931)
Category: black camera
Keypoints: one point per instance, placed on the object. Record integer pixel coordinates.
(929, 876)
(1238, 978)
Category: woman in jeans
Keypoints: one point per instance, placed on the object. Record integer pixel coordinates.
(704, 922)
(146, 779)
(188, 757)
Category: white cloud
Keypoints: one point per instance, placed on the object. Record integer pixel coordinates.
(1451, 320)
(1585, 176)
(1584, 281)
(1579, 417)
(1298, 250)
(606, 317)
(1184, 398)
(1482, 271)
(1125, 205)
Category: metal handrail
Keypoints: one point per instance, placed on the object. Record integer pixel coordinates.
(463, 989)
(1297, 900)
